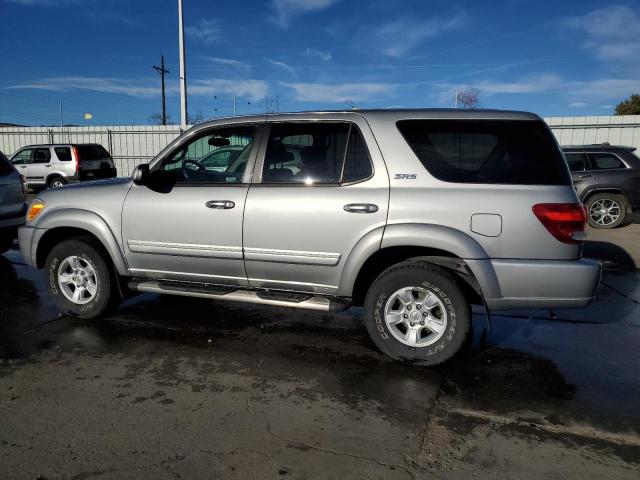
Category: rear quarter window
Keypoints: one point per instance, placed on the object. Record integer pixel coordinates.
(520, 152)
(63, 153)
(5, 165)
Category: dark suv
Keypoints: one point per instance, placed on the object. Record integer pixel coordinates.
(607, 179)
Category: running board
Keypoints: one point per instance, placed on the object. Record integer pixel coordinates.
(233, 294)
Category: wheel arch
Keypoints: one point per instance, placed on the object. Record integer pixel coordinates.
(53, 175)
(61, 225)
(443, 246)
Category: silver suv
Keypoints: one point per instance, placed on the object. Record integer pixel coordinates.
(56, 165)
(413, 214)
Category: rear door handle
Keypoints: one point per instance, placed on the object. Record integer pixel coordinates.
(361, 208)
(584, 176)
(220, 204)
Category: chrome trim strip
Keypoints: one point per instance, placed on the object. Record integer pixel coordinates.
(185, 249)
(185, 274)
(313, 303)
(291, 256)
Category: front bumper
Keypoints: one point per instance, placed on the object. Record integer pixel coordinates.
(25, 240)
(511, 284)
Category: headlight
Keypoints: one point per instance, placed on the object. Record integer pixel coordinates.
(34, 209)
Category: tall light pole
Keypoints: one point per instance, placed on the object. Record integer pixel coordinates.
(183, 69)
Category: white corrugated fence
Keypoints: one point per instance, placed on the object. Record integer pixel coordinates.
(132, 145)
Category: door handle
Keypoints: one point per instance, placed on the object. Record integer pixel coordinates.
(47, 166)
(24, 166)
(361, 208)
(220, 204)
(584, 176)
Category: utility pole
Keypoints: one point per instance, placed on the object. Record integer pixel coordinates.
(183, 69)
(234, 105)
(161, 70)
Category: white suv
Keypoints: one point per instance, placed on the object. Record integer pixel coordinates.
(56, 165)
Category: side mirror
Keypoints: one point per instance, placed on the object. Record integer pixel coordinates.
(141, 174)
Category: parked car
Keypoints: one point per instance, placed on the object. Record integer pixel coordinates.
(56, 165)
(413, 214)
(607, 179)
(13, 205)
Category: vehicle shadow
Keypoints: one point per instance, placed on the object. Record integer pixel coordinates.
(610, 254)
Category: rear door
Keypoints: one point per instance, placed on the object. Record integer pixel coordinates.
(40, 166)
(302, 220)
(11, 194)
(583, 177)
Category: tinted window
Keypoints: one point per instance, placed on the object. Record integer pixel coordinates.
(520, 152)
(63, 153)
(5, 165)
(312, 153)
(91, 152)
(216, 156)
(41, 155)
(357, 164)
(577, 161)
(22, 157)
(606, 161)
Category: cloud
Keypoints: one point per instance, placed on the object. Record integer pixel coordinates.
(612, 32)
(397, 37)
(283, 11)
(228, 62)
(94, 84)
(339, 93)
(253, 89)
(281, 65)
(42, 3)
(205, 31)
(312, 52)
(578, 104)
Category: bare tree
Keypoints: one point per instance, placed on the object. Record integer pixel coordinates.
(467, 98)
(196, 119)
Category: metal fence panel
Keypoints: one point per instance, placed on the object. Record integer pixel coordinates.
(132, 145)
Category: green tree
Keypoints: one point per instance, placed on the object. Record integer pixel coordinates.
(630, 106)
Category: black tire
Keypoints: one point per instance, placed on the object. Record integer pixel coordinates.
(6, 241)
(437, 281)
(106, 296)
(56, 182)
(619, 200)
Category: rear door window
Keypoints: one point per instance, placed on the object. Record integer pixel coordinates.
(577, 161)
(63, 153)
(606, 161)
(41, 155)
(520, 152)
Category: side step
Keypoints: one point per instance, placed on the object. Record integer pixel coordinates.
(233, 294)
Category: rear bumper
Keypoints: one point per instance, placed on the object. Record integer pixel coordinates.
(509, 284)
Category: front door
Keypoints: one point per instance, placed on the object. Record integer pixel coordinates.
(317, 196)
(21, 161)
(186, 223)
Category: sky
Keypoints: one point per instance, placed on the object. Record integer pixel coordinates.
(555, 58)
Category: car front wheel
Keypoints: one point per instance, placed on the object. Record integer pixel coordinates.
(417, 311)
(79, 278)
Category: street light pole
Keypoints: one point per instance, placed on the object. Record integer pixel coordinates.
(183, 69)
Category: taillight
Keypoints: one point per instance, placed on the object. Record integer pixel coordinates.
(25, 186)
(76, 155)
(565, 221)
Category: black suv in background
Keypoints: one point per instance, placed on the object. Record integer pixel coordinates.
(607, 179)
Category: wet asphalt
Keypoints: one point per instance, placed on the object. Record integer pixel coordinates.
(171, 387)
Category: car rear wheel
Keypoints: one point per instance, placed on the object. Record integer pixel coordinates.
(606, 210)
(417, 311)
(57, 182)
(80, 278)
